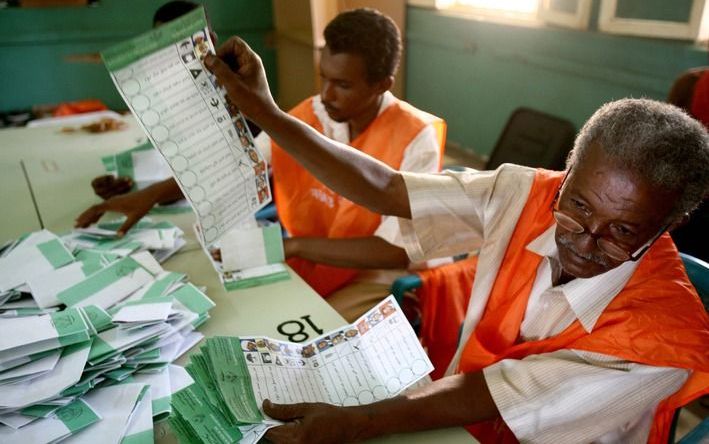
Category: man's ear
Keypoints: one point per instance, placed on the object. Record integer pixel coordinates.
(385, 84)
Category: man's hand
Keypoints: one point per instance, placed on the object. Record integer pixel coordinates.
(310, 423)
(108, 186)
(241, 72)
(133, 205)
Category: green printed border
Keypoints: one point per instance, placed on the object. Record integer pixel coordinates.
(98, 281)
(77, 416)
(257, 281)
(144, 437)
(55, 252)
(273, 243)
(121, 55)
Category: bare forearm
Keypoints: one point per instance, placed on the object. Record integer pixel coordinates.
(451, 401)
(164, 192)
(361, 252)
(356, 176)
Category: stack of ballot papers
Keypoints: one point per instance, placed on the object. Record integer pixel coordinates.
(250, 256)
(145, 166)
(375, 358)
(89, 328)
(162, 239)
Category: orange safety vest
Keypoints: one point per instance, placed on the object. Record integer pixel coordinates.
(443, 297)
(307, 208)
(657, 319)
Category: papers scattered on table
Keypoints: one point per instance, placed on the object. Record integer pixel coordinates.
(375, 358)
(89, 327)
(161, 239)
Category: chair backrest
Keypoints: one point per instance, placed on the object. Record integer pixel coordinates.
(698, 272)
(535, 139)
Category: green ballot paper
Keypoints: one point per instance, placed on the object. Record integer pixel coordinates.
(184, 113)
(375, 358)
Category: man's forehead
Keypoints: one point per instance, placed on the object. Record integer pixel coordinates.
(344, 64)
(612, 186)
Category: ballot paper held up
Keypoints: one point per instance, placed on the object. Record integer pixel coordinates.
(187, 117)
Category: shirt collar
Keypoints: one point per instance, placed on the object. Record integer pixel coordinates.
(586, 297)
(340, 131)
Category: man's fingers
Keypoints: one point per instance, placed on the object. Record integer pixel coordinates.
(222, 71)
(90, 216)
(283, 433)
(232, 50)
(124, 181)
(131, 219)
(123, 185)
(284, 412)
(101, 181)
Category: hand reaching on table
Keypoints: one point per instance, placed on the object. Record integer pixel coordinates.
(133, 205)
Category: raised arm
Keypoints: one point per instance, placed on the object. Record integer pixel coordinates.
(370, 252)
(347, 171)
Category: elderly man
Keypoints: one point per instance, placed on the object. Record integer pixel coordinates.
(582, 325)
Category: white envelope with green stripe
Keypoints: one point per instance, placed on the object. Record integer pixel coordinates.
(29, 335)
(243, 248)
(35, 254)
(112, 284)
(68, 420)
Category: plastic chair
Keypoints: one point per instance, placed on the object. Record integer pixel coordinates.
(535, 139)
(267, 213)
(698, 273)
(698, 435)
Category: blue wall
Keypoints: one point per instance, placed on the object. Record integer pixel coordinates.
(34, 44)
(475, 73)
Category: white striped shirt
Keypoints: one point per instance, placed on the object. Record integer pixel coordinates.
(568, 396)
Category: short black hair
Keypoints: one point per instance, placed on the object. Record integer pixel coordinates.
(172, 10)
(370, 34)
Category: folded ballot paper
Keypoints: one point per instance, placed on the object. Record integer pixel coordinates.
(250, 256)
(375, 358)
(88, 338)
(145, 166)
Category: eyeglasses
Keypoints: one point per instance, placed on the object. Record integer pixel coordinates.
(609, 248)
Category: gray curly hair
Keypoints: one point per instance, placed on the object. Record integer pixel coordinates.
(658, 141)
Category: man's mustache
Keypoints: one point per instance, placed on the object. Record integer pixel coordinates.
(595, 258)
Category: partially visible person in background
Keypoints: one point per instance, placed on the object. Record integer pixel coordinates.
(690, 92)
